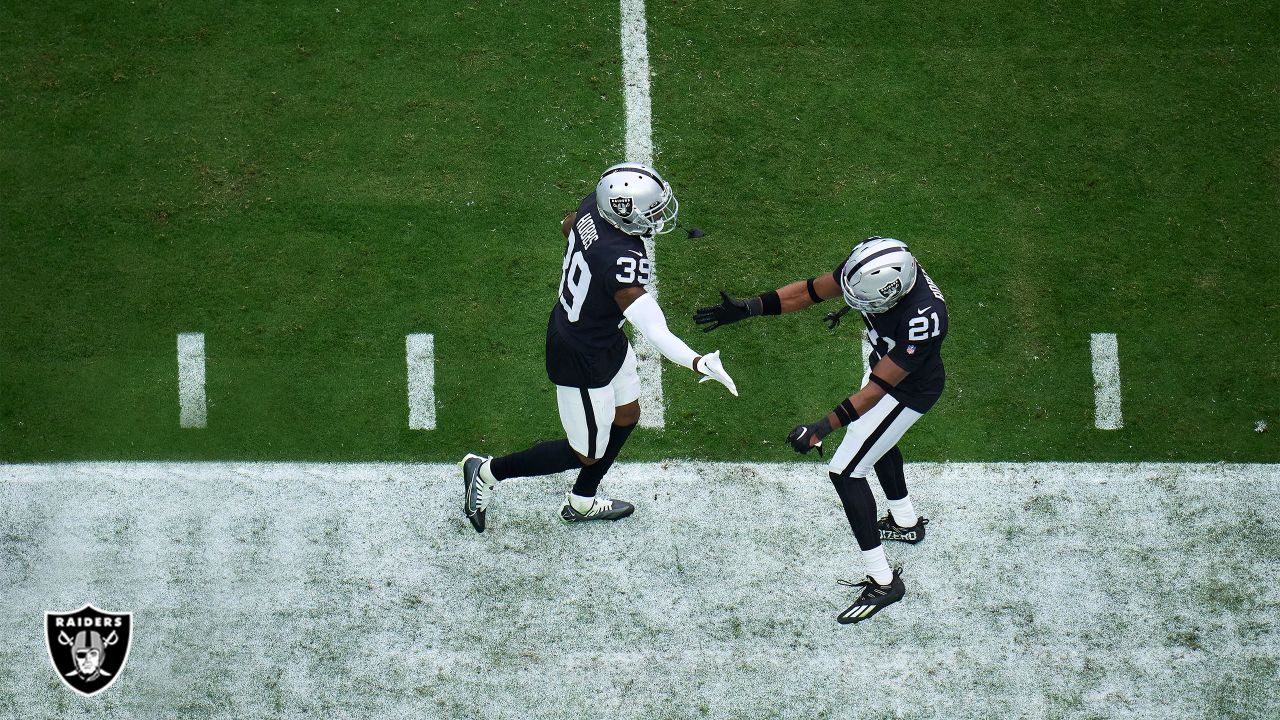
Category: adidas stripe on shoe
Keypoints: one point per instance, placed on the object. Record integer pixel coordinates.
(873, 598)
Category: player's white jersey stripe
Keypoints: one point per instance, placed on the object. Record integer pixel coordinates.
(1106, 381)
(639, 148)
(191, 398)
(420, 359)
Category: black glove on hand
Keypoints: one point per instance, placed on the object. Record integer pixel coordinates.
(726, 313)
(801, 437)
(833, 318)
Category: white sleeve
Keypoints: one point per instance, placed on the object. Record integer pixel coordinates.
(645, 314)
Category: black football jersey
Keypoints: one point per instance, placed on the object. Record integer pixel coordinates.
(911, 334)
(585, 342)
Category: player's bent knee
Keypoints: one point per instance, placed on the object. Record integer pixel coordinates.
(628, 414)
(586, 461)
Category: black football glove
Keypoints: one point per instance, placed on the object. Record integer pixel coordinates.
(833, 318)
(800, 436)
(730, 311)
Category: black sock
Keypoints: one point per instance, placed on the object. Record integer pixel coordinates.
(589, 477)
(892, 478)
(859, 509)
(545, 458)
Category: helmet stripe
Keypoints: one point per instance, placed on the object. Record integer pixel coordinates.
(638, 170)
(873, 256)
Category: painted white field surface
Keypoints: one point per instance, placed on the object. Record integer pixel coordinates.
(325, 590)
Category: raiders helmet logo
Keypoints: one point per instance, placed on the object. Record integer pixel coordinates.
(888, 290)
(88, 647)
(621, 205)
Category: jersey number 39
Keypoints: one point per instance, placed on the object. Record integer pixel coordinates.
(628, 268)
(575, 280)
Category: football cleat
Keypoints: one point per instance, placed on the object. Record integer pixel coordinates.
(602, 508)
(874, 597)
(476, 493)
(890, 530)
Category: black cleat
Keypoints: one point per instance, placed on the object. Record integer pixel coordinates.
(873, 599)
(890, 530)
(602, 508)
(476, 494)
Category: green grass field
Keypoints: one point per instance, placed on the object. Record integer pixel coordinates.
(306, 184)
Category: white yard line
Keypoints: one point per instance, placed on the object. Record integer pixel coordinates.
(635, 78)
(866, 359)
(420, 358)
(1106, 381)
(191, 399)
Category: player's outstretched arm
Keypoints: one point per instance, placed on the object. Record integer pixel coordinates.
(884, 376)
(789, 298)
(642, 310)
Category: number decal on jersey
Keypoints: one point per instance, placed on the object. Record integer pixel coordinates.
(629, 268)
(919, 327)
(575, 279)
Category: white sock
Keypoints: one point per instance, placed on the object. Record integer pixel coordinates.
(903, 513)
(580, 503)
(486, 474)
(878, 565)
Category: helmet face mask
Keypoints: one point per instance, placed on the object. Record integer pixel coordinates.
(879, 273)
(635, 199)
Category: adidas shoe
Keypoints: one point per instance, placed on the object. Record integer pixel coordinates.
(602, 508)
(874, 597)
(890, 530)
(476, 493)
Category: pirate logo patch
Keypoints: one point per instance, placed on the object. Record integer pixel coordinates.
(88, 647)
(889, 290)
(621, 205)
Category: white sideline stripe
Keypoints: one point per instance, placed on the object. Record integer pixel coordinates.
(191, 400)
(420, 358)
(639, 148)
(1106, 381)
(352, 585)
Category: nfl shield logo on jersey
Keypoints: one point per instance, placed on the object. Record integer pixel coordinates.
(88, 647)
(621, 205)
(911, 349)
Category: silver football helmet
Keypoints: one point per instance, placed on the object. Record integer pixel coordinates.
(879, 273)
(635, 199)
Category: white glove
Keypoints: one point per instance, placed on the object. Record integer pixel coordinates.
(711, 369)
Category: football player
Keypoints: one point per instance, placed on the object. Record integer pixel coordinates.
(906, 322)
(590, 361)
